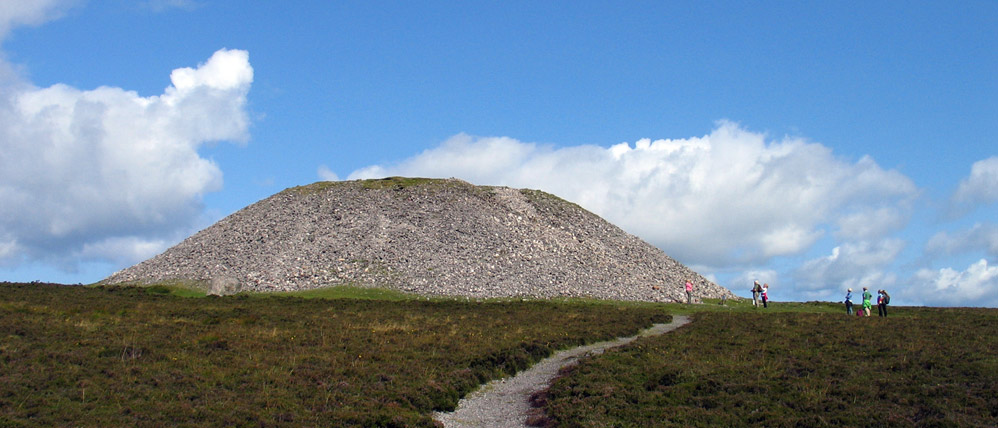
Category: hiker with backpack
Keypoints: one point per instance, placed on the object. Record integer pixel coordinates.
(765, 295)
(756, 289)
(849, 302)
(882, 302)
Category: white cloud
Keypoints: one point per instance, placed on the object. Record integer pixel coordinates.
(975, 286)
(123, 250)
(980, 237)
(8, 248)
(982, 184)
(742, 283)
(327, 174)
(15, 13)
(855, 265)
(729, 197)
(463, 156)
(86, 170)
(872, 222)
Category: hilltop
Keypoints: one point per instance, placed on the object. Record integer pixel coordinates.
(424, 236)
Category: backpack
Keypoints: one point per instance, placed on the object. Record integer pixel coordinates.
(887, 299)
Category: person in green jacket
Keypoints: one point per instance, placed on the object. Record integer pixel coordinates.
(866, 301)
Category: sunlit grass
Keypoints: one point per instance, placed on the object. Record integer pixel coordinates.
(353, 292)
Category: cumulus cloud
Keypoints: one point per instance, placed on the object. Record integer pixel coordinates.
(851, 265)
(872, 222)
(982, 184)
(729, 197)
(104, 172)
(975, 286)
(980, 237)
(122, 250)
(747, 278)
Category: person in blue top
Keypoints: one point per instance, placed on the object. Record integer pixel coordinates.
(849, 302)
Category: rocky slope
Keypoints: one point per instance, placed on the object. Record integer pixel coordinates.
(426, 236)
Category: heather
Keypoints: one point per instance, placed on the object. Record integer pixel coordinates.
(924, 367)
(122, 356)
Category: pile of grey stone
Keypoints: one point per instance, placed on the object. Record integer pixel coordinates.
(424, 236)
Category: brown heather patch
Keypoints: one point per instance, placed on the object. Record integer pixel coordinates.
(926, 367)
(121, 356)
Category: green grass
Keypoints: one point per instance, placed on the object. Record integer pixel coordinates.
(123, 356)
(929, 367)
(399, 183)
(389, 183)
(354, 292)
(179, 288)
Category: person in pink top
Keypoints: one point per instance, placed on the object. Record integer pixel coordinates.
(689, 292)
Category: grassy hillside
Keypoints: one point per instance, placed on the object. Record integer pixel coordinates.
(927, 367)
(78, 356)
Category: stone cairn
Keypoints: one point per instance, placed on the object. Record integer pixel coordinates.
(430, 237)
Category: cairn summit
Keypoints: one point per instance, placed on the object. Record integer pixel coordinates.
(424, 236)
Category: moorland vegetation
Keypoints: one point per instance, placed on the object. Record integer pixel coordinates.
(927, 367)
(123, 356)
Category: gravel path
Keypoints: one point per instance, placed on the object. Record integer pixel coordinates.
(504, 402)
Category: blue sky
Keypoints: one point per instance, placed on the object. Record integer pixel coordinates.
(812, 145)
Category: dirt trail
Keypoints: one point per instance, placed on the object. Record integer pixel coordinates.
(504, 403)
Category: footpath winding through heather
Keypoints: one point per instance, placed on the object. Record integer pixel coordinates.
(505, 402)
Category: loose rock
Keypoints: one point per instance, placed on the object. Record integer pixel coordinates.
(424, 236)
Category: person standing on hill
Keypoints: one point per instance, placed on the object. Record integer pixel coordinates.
(765, 295)
(866, 301)
(882, 302)
(689, 292)
(849, 302)
(756, 289)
